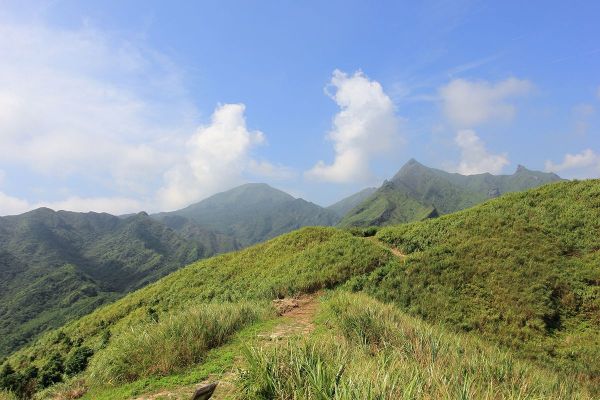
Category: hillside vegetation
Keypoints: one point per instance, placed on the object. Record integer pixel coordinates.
(252, 213)
(57, 266)
(522, 271)
(417, 192)
(367, 350)
(512, 287)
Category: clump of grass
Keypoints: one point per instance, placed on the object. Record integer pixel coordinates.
(176, 342)
(6, 395)
(372, 351)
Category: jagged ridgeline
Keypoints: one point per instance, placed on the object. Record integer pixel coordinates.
(417, 192)
(520, 272)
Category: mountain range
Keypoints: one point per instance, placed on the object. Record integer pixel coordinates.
(58, 265)
(500, 300)
(418, 192)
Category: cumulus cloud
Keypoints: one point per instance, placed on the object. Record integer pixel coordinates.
(217, 156)
(581, 165)
(475, 158)
(366, 126)
(470, 103)
(81, 107)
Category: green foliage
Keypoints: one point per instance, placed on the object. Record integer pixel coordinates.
(78, 360)
(343, 206)
(52, 371)
(57, 266)
(412, 360)
(522, 270)
(307, 260)
(417, 192)
(177, 342)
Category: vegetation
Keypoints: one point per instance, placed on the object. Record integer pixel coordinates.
(181, 340)
(57, 266)
(512, 286)
(417, 192)
(253, 213)
(522, 271)
(383, 354)
(303, 261)
(343, 206)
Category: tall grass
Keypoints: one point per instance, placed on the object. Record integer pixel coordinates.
(372, 351)
(6, 395)
(172, 344)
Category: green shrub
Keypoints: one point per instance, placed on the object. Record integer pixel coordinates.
(52, 371)
(172, 344)
(78, 360)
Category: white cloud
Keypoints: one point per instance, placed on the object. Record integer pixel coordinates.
(12, 205)
(470, 103)
(217, 157)
(265, 169)
(475, 159)
(84, 106)
(582, 165)
(365, 127)
(115, 205)
(80, 102)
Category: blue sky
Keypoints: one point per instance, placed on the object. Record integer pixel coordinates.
(120, 106)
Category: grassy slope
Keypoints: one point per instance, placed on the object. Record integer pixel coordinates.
(387, 206)
(302, 261)
(364, 349)
(522, 270)
(343, 206)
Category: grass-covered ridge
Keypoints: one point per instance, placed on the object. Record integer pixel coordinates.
(522, 270)
(303, 261)
(369, 350)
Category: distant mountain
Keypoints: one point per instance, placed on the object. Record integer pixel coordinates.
(251, 213)
(55, 266)
(342, 207)
(417, 192)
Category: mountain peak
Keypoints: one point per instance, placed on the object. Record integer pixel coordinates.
(521, 168)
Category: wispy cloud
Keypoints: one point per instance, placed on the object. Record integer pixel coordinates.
(580, 165)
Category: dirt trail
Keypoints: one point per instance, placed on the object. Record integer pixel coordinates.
(395, 251)
(297, 318)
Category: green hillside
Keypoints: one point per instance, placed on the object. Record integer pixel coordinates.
(417, 192)
(343, 206)
(522, 271)
(56, 266)
(511, 288)
(254, 212)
